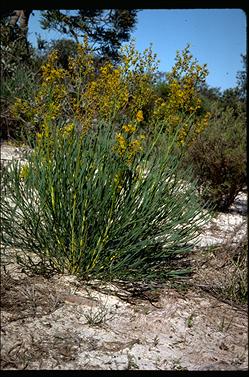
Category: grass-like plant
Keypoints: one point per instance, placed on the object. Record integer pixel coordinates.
(78, 207)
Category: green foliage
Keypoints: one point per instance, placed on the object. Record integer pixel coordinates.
(18, 76)
(79, 207)
(162, 89)
(209, 95)
(242, 78)
(14, 49)
(123, 93)
(106, 29)
(231, 99)
(22, 84)
(218, 157)
(65, 48)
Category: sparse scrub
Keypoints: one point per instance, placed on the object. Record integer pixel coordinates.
(237, 289)
(226, 269)
(98, 316)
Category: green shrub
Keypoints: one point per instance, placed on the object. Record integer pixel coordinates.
(21, 84)
(19, 66)
(14, 49)
(77, 206)
(218, 158)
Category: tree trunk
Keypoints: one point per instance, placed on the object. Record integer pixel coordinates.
(20, 18)
(23, 17)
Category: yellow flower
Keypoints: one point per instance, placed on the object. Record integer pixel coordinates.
(24, 171)
(68, 129)
(140, 116)
(135, 146)
(118, 182)
(121, 142)
(114, 93)
(129, 128)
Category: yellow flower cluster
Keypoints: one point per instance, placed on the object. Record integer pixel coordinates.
(87, 93)
(129, 143)
(68, 129)
(183, 96)
(129, 128)
(122, 143)
(24, 171)
(140, 116)
(48, 103)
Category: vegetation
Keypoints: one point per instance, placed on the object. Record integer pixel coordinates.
(122, 166)
(117, 93)
(218, 154)
(106, 29)
(218, 157)
(80, 207)
(237, 289)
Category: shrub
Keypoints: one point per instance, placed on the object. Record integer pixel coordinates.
(18, 79)
(20, 85)
(14, 49)
(83, 207)
(218, 158)
(180, 96)
(65, 48)
(85, 93)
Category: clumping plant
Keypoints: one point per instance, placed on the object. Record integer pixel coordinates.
(81, 207)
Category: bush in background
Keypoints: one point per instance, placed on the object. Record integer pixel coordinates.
(218, 158)
(19, 79)
(22, 84)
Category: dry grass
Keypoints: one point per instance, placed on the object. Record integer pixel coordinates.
(222, 269)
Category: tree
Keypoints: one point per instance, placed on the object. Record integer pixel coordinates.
(23, 17)
(65, 48)
(242, 78)
(15, 48)
(106, 29)
(209, 95)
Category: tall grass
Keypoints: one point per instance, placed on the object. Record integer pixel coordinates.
(78, 207)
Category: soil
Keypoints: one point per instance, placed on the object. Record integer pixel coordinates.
(65, 323)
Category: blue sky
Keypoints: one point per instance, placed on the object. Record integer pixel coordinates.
(217, 38)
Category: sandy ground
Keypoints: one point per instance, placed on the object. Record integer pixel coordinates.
(63, 323)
